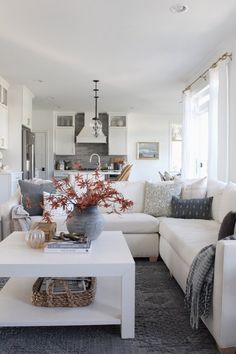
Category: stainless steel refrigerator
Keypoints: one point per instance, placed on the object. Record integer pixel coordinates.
(28, 153)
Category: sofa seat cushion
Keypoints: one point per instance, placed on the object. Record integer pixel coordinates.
(188, 236)
(131, 223)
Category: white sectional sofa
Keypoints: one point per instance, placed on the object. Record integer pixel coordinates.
(178, 241)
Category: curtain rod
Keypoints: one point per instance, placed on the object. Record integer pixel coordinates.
(203, 75)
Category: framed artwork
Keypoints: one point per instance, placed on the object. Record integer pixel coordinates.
(148, 151)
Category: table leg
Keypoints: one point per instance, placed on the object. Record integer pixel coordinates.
(128, 303)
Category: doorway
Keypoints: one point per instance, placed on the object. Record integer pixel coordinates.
(41, 155)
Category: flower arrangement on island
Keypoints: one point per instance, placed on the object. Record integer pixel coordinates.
(85, 193)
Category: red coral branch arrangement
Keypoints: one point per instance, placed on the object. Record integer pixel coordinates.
(85, 193)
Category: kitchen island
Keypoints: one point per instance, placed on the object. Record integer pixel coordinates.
(60, 174)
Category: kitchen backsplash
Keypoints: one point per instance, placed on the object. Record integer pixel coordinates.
(83, 151)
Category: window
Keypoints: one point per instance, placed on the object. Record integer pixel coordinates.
(200, 117)
(206, 127)
(175, 148)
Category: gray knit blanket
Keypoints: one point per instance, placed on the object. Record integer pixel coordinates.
(21, 221)
(200, 281)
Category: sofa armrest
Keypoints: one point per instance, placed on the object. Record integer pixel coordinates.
(224, 295)
(5, 213)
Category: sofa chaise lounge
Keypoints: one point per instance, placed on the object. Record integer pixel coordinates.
(177, 241)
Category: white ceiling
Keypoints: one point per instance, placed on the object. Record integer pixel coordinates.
(141, 52)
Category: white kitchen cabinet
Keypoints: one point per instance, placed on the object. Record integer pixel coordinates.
(3, 93)
(117, 134)
(3, 114)
(117, 141)
(8, 184)
(27, 98)
(64, 127)
(60, 174)
(3, 127)
(117, 120)
(20, 107)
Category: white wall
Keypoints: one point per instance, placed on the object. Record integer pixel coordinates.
(149, 128)
(43, 122)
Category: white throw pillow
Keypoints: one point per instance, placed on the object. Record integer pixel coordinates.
(228, 200)
(133, 191)
(130, 190)
(47, 204)
(194, 188)
(215, 189)
(158, 197)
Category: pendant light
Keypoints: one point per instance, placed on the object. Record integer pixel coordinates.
(97, 124)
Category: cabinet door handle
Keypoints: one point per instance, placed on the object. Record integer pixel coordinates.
(28, 121)
(2, 144)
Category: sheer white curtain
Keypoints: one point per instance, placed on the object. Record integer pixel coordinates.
(188, 146)
(213, 123)
(218, 137)
(218, 127)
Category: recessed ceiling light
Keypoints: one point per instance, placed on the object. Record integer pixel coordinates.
(39, 81)
(179, 8)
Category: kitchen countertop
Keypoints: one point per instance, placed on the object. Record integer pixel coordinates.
(7, 172)
(106, 172)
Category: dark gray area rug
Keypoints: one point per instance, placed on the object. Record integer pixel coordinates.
(162, 326)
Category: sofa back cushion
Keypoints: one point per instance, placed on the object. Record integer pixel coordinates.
(158, 197)
(228, 200)
(130, 190)
(215, 189)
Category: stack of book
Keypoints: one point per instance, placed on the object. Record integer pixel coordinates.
(68, 247)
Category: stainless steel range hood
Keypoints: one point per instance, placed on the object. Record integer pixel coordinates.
(86, 135)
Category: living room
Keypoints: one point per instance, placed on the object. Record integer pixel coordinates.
(144, 58)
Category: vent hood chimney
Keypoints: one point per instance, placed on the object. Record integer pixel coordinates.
(86, 135)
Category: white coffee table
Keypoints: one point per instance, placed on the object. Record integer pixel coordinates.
(110, 261)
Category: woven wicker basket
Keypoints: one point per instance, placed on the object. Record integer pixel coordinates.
(47, 298)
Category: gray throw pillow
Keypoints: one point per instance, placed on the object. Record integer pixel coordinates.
(32, 196)
(191, 208)
(158, 196)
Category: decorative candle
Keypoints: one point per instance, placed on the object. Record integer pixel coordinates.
(35, 238)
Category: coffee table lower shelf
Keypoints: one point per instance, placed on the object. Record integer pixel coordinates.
(16, 309)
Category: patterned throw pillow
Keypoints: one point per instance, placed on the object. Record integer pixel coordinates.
(158, 197)
(191, 208)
